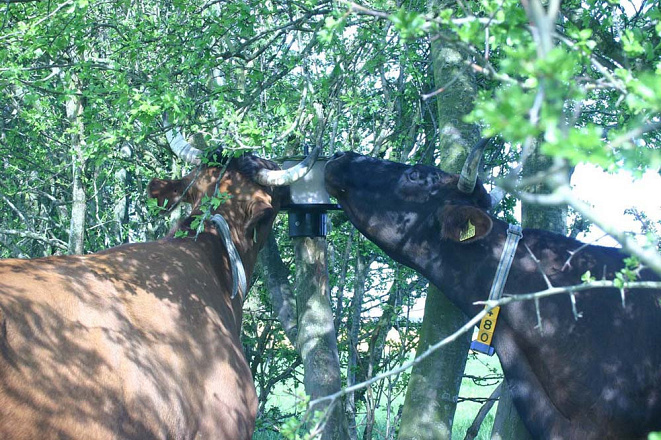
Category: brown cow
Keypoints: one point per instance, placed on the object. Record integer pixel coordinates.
(140, 341)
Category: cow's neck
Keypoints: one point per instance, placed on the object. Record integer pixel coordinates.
(213, 246)
(465, 272)
(244, 247)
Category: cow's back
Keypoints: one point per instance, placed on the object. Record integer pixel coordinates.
(136, 342)
(595, 374)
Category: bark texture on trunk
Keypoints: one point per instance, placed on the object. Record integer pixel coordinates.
(316, 340)
(431, 397)
(74, 110)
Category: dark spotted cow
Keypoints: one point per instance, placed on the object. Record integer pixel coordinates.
(596, 377)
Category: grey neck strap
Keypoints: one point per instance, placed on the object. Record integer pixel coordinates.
(514, 234)
(482, 343)
(238, 271)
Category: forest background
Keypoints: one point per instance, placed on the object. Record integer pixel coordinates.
(91, 93)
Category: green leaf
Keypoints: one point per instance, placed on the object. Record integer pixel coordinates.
(585, 34)
(154, 209)
(410, 24)
(587, 277)
(631, 43)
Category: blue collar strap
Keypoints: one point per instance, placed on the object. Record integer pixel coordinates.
(488, 324)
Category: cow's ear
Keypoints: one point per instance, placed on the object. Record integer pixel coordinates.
(260, 217)
(464, 224)
(168, 193)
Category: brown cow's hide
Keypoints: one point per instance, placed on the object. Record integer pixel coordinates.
(132, 343)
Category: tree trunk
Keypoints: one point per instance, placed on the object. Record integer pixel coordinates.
(354, 332)
(121, 209)
(276, 275)
(551, 218)
(507, 423)
(74, 109)
(316, 340)
(431, 397)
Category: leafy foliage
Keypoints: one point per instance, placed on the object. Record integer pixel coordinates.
(264, 76)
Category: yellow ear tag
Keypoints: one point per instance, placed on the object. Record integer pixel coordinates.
(467, 232)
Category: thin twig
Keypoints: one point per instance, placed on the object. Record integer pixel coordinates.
(599, 284)
(564, 195)
(405, 366)
(539, 266)
(474, 429)
(489, 305)
(567, 264)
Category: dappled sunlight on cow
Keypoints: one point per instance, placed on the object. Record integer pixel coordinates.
(592, 373)
(140, 341)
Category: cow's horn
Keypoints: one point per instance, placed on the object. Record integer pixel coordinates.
(468, 176)
(286, 177)
(497, 195)
(182, 149)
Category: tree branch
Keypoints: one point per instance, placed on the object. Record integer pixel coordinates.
(35, 236)
(600, 284)
(564, 195)
(489, 305)
(474, 429)
(276, 275)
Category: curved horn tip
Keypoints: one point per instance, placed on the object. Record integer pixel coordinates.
(468, 176)
(290, 175)
(181, 148)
